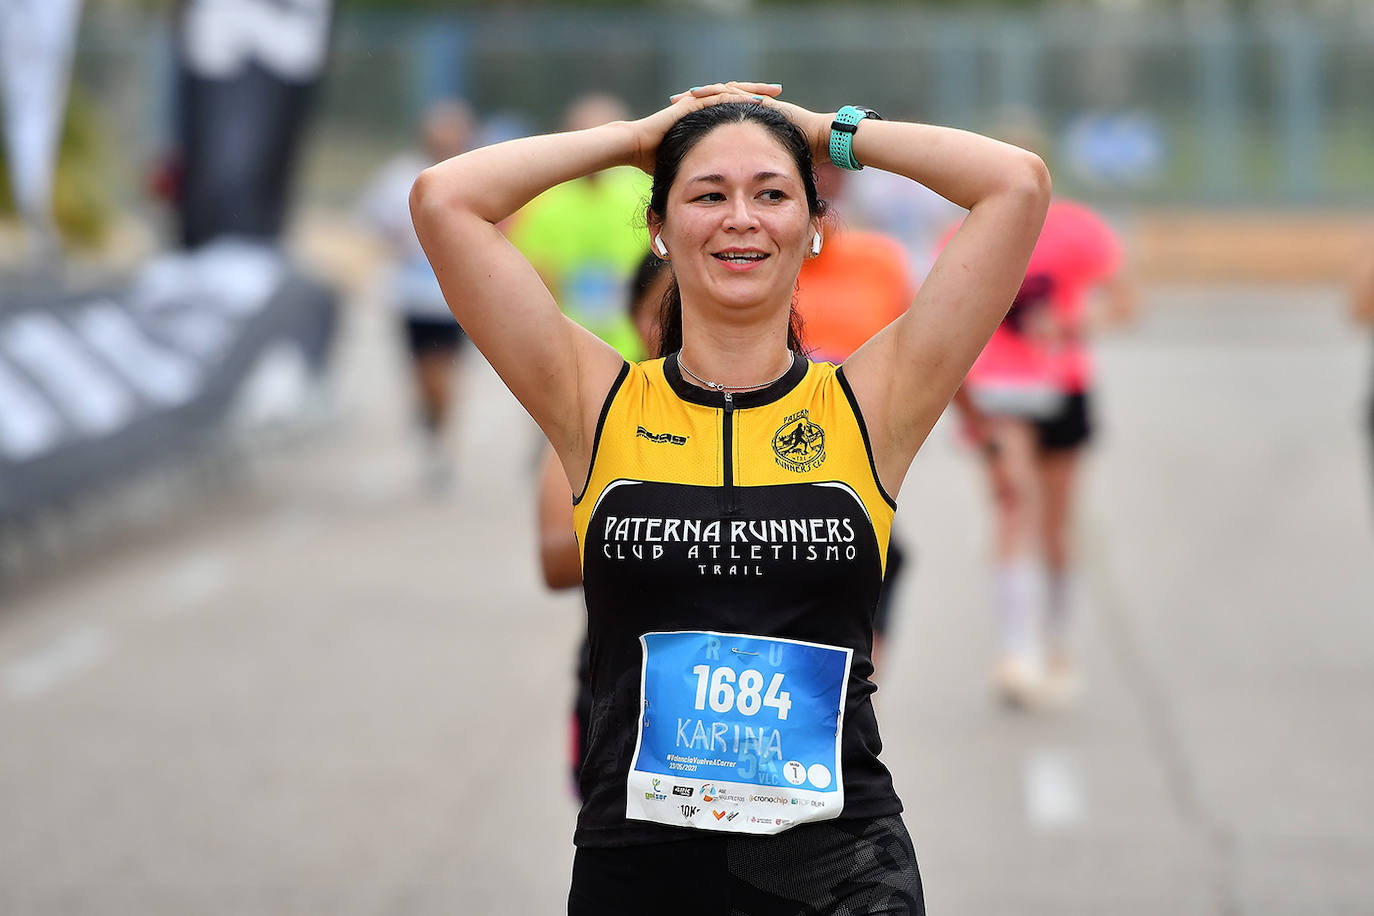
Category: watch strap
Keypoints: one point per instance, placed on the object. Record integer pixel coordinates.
(842, 131)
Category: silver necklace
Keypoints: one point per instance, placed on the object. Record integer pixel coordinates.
(727, 390)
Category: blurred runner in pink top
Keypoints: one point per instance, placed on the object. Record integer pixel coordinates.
(1077, 251)
(1026, 401)
(1038, 355)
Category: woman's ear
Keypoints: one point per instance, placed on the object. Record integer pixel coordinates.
(655, 226)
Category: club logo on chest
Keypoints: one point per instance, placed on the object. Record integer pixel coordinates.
(799, 444)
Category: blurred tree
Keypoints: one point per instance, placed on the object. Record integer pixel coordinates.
(80, 201)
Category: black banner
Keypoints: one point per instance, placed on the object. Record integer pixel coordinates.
(99, 385)
(247, 70)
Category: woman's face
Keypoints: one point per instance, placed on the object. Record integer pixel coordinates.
(737, 224)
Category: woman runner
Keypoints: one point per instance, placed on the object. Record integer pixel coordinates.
(733, 499)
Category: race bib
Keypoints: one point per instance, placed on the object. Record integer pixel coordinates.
(738, 733)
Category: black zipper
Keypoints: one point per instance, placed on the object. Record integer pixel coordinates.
(727, 430)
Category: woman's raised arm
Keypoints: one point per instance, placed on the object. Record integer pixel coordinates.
(558, 371)
(906, 374)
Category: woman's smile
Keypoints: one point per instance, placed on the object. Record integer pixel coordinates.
(741, 259)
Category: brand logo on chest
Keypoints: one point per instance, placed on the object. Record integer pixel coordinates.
(667, 438)
(799, 444)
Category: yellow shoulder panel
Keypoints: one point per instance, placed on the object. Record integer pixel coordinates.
(812, 435)
(650, 434)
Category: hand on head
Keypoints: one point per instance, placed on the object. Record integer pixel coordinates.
(732, 91)
(815, 126)
(650, 130)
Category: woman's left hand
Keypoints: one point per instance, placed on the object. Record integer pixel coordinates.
(815, 126)
(742, 91)
(649, 131)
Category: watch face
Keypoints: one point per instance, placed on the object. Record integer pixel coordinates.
(869, 113)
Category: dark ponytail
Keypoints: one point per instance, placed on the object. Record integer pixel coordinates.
(676, 143)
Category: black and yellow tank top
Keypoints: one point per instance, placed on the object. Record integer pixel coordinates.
(755, 513)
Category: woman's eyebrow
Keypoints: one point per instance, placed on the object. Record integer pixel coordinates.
(715, 178)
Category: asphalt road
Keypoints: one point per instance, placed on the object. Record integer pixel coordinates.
(315, 689)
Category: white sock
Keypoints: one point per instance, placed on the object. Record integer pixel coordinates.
(1014, 583)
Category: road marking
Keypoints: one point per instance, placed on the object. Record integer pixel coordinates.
(59, 661)
(1054, 790)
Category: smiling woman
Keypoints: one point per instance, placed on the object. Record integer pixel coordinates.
(732, 731)
(763, 210)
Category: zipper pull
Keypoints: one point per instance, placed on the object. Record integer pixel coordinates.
(729, 400)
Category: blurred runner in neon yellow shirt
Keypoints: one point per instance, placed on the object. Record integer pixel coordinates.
(586, 237)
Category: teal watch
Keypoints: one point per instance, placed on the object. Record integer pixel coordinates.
(842, 135)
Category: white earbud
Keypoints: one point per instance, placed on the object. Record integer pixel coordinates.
(816, 244)
(660, 247)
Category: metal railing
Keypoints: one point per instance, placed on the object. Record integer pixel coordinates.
(1137, 108)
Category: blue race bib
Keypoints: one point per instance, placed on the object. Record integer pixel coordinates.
(738, 733)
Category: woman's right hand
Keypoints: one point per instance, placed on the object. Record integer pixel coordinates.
(649, 131)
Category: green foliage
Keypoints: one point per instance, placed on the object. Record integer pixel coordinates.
(80, 200)
(83, 208)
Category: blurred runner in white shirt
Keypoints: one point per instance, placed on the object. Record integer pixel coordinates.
(433, 336)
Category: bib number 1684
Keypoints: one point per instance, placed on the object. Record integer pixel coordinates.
(724, 691)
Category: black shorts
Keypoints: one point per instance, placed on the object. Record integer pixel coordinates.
(859, 866)
(426, 335)
(1070, 426)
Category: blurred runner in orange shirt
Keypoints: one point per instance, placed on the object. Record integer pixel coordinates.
(856, 286)
(433, 338)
